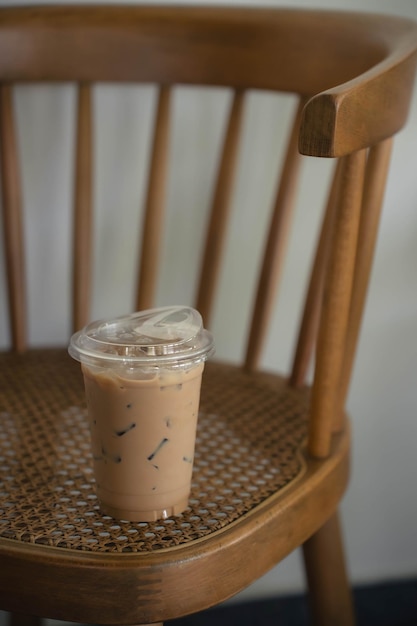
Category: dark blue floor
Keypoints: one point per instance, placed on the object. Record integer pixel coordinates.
(388, 604)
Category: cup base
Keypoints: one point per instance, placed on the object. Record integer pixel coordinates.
(144, 516)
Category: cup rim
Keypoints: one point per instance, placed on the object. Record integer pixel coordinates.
(118, 341)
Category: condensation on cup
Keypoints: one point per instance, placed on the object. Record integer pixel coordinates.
(142, 375)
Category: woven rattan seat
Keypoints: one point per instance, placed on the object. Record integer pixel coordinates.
(273, 451)
(47, 494)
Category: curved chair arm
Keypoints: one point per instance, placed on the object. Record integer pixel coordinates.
(355, 103)
(370, 107)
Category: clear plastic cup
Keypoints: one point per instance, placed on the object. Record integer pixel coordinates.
(142, 376)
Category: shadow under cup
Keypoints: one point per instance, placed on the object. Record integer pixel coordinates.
(143, 398)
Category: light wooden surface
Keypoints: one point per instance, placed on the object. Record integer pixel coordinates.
(312, 308)
(83, 210)
(354, 87)
(275, 247)
(12, 220)
(154, 207)
(336, 303)
(373, 194)
(220, 212)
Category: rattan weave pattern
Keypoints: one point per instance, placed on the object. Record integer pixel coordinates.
(250, 429)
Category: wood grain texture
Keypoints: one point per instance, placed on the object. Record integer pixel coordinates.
(61, 581)
(155, 204)
(342, 108)
(354, 88)
(12, 221)
(220, 212)
(83, 211)
(225, 47)
(335, 308)
(275, 248)
(307, 334)
(373, 196)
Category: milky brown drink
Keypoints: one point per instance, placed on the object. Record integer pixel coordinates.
(143, 435)
(142, 377)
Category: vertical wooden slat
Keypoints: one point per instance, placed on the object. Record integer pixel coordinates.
(373, 195)
(12, 218)
(155, 204)
(220, 211)
(311, 314)
(275, 247)
(82, 237)
(335, 308)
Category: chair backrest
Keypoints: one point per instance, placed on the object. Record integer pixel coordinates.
(353, 75)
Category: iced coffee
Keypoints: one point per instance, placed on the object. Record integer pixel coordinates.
(142, 376)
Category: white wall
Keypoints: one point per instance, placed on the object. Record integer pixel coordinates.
(380, 508)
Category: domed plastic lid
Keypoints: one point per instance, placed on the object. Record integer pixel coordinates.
(171, 335)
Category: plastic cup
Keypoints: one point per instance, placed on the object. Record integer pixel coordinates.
(142, 376)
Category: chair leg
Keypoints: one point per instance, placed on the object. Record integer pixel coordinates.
(21, 619)
(330, 595)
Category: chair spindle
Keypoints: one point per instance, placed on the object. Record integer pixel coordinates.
(220, 211)
(12, 218)
(311, 315)
(336, 304)
(155, 204)
(275, 247)
(82, 242)
(373, 195)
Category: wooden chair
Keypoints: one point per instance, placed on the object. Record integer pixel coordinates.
(272, 458)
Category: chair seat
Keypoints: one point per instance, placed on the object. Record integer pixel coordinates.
(250, 451)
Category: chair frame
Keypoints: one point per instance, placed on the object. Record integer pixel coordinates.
(335, 119)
